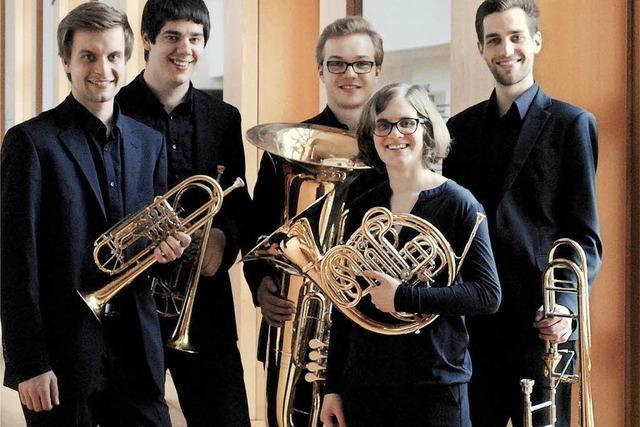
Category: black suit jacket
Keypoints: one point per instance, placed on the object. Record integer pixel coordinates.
(218, 141)
(549, 192)
(52, 213)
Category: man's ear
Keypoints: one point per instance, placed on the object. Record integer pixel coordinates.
(537, 41)
(480, 47)
(146, 42)
(378, 71)
(65, 65)
(321, 72)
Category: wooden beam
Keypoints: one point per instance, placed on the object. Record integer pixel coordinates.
(354, 7)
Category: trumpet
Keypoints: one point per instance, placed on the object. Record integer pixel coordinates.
(375, 245)
(143, 231)
(579, 285)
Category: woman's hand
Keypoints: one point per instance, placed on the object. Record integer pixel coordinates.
(383, 295)
(332, 414)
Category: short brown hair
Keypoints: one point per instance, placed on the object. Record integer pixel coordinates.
(92, 16)
(436, 137)
(492, 6)
(345, 27)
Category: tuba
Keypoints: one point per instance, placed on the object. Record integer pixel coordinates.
(320, 162)
(375, 245)
(126, 250)
(578, 284)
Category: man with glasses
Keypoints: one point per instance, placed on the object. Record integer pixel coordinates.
(349, 57)
(531, 161)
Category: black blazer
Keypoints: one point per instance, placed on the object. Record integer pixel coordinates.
(52, 213)
(549, 193)
(218, 141)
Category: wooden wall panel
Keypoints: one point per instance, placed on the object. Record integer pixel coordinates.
(288, 78)
(471, 82)
(633, 292)
(572, 67)
(585, 64)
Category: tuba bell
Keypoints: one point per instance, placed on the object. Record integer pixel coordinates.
(126, 250)
(578, 284)
(375, 245)
(319, 161)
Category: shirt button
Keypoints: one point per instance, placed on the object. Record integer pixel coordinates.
(112, 184)
(171, 117)
(174, 146)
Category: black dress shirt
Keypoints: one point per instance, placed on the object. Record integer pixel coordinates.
(177, 127)
(502, 133)
(106, 149)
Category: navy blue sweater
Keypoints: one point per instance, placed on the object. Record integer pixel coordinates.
(438, 354)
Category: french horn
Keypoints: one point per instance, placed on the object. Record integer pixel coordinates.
(375, 245)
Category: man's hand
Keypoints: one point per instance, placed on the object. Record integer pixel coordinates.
(40, 393)
(275, 309)
(332, 413)
(214, 252)
(554, 329)
(383, 295)
(172, 247)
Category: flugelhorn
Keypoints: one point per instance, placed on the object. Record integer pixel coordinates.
(141, 232)
(375, 245)
(578, 284)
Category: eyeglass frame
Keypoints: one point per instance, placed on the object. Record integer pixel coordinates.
(350, 64)
(419, 121)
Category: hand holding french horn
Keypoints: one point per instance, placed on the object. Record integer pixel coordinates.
(383, 295)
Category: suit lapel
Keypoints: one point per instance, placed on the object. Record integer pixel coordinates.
(205, 142)
(131, 143)
(76, 142)
(531, 128)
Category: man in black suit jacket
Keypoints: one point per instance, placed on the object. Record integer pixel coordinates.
(203, 137)
(531, 161)
(67, 176)
(349, 56)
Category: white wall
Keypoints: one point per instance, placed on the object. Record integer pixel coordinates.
(209, 73)
(407, 24)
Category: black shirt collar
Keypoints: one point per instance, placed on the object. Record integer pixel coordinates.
(152, 101)
(90, 123)
(520, 105)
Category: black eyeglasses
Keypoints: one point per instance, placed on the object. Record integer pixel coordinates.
(340, 67)
(405, 126)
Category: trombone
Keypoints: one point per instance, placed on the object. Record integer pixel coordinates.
(146, 228)
(579, 286)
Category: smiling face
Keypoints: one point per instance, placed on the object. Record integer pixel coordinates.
(396, 150)
(349, 90)
(175, 53)
(96, 66)
(508, 47)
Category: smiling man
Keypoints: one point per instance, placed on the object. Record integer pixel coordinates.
(203, 136)
(68, 175)
(349, 55)
(531, 161)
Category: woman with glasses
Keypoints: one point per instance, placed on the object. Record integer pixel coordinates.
(417, 379)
